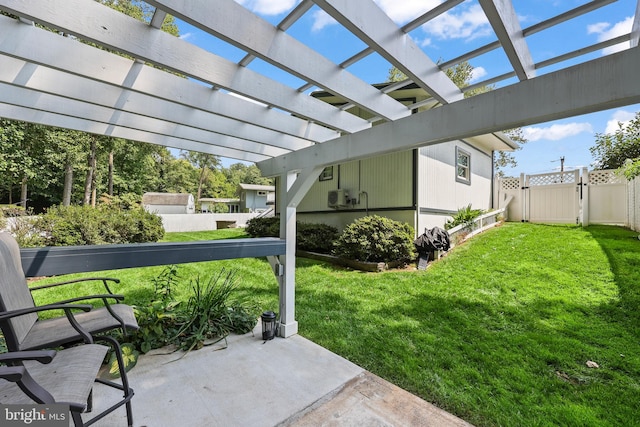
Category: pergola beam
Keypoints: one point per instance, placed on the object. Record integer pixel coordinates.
(35, 45)
(504, 20)
(28, 114)
(612, 82)
(90, 20)
(378, 31)
(114, 100)
(247, 31)
(22, 97)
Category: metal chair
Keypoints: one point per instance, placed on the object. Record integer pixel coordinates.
(49, 377)
(23, 330)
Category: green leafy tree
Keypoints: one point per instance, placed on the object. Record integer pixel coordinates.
(180, 177)
(21, 165)
(12, 156)
(240, 173)
(205, 163)
(620, 149)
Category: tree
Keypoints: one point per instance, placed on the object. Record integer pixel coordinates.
(205, 163)
(620, 149)
(180, 177)
(240, 173)
(20, 164)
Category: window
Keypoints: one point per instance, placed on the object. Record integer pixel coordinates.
(463, 166)
(327, 174)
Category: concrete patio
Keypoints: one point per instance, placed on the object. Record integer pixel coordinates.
(282, 382)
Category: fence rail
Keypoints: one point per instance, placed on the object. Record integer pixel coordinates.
(461, 232)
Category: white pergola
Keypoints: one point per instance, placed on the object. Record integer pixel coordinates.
(227, 109)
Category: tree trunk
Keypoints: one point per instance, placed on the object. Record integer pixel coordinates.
(23, 192)
(203, 176)
(93, 182)
(111, 173)
(68, 183)
(91, 161)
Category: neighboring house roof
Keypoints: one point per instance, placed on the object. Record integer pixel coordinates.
(181, 199)
(257, 187)
(412, 93)
(219, 200)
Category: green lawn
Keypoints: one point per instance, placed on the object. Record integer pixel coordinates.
(498, 332)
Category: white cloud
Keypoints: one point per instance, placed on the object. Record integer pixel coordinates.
(619, 119)
(606, 31)
(477, 74)
(321, 19)
(268, 7)
(469, 24)
(556, 132)
(186, 36)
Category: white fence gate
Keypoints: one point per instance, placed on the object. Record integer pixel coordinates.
(572, 197)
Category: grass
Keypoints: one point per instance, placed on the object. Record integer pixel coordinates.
(498, 332)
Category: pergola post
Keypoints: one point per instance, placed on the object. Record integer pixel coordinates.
(287, 281)
(293, 185)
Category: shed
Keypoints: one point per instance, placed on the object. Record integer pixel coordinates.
(169, 203)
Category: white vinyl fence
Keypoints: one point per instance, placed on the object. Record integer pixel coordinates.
(573, 197)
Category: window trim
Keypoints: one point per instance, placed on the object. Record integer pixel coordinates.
(461, 179)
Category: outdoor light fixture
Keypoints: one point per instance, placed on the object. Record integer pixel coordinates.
(268, 325)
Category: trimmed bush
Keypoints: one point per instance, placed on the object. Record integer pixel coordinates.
(310, 237)
(376, 239)
(86, 225)
(316, 237)
(263, 227)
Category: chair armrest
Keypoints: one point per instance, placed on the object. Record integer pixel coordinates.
(86, 336)
(104, 280)
(116, 297)
(12, 373)
(67, 307)
(42, 356)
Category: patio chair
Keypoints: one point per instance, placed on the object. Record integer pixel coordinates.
(23, 330)
(50, 377)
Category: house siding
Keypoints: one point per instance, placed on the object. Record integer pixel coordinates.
(387, 181)
(439, 194)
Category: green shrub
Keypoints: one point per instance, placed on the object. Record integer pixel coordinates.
(464, 216)
(27, 236)
(86, 225)
(9, 211)
(315, 237)
(376, 239)
(312, 237)
(263, 227)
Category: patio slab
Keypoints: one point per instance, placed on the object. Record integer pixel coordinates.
(289, 382)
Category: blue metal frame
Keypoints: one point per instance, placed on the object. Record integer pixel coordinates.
(49, 261)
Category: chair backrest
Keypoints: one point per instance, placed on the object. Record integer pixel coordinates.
(14, 292)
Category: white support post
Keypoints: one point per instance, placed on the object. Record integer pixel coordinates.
(293, 186)
(584, 181)
(288, 325)
(523, 193)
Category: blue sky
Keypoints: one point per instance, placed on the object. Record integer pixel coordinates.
(460, 30)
